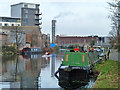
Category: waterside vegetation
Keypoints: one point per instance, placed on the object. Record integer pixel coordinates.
(109, 77)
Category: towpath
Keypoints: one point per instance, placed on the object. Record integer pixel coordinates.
(114, 55)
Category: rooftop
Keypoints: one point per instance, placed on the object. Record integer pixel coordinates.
(10, 17)
(24, 3)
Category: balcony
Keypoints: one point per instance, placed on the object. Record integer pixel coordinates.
(38, 18)
(39, 23)
(38, 14)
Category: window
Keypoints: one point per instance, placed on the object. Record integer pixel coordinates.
(25, 6)
(6, 24)
(35, 16)
(26, 16)
(0, 24)
(25, 11)
(18, 20)
(36, 11)
(25, 20)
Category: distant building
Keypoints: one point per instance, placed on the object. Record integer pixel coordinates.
(71, 40)
(33, 36)
(30, 35)
(10, 21)
(11, 35)
(3, 39)
(46, 40)
(104, 41)
(28, 12)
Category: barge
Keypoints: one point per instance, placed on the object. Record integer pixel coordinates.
(32, 50)
(77, 64)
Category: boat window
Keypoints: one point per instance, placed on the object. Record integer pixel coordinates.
(83, 58)
(72, 51)
(66, 58)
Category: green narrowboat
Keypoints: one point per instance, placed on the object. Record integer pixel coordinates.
(79, 63)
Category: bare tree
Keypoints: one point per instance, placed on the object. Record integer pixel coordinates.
(18, 35)
(115, 19)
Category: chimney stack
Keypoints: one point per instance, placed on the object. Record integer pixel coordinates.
(53, 31)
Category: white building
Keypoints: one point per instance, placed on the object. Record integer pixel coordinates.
(10, 21)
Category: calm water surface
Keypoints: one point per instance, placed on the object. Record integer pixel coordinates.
(32, 71)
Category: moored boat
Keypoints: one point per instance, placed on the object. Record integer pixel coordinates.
(78, 63)
(32, 50)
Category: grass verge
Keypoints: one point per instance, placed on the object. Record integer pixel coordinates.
(110, 74)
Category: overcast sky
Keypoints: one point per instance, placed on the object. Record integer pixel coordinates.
(74, 17)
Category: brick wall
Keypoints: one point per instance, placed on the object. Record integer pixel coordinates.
(70, 40)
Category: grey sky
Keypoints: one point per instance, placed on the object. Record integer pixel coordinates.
(74, 17)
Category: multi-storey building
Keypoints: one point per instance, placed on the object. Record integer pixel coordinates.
(10, 21)
(28, 12)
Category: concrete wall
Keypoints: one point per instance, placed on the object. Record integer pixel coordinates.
(16, 10)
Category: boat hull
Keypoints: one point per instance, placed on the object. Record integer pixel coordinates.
(73, 78)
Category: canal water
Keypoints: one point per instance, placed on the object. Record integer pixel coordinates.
(34, 71)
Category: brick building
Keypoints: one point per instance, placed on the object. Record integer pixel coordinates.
(71, 40)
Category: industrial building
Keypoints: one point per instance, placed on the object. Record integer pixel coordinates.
(29, 13)
(80, 40)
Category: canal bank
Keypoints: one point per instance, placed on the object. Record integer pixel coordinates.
(109, 77)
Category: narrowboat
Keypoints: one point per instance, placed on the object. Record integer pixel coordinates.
(32, 50)
(73, 81)
(78, 64)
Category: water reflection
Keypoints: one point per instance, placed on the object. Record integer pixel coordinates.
(33, 71)
(53, 64)
(30, 71)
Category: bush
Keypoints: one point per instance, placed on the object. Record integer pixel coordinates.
(8, 50)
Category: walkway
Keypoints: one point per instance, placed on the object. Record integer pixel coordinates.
(114, 55)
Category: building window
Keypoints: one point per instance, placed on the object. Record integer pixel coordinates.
(12, 24)
(35, 16)
(25, 6)
(6, 24)
(25, 20)
(18, 20)
(26, 16)
(25, 11)
(36, 11)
